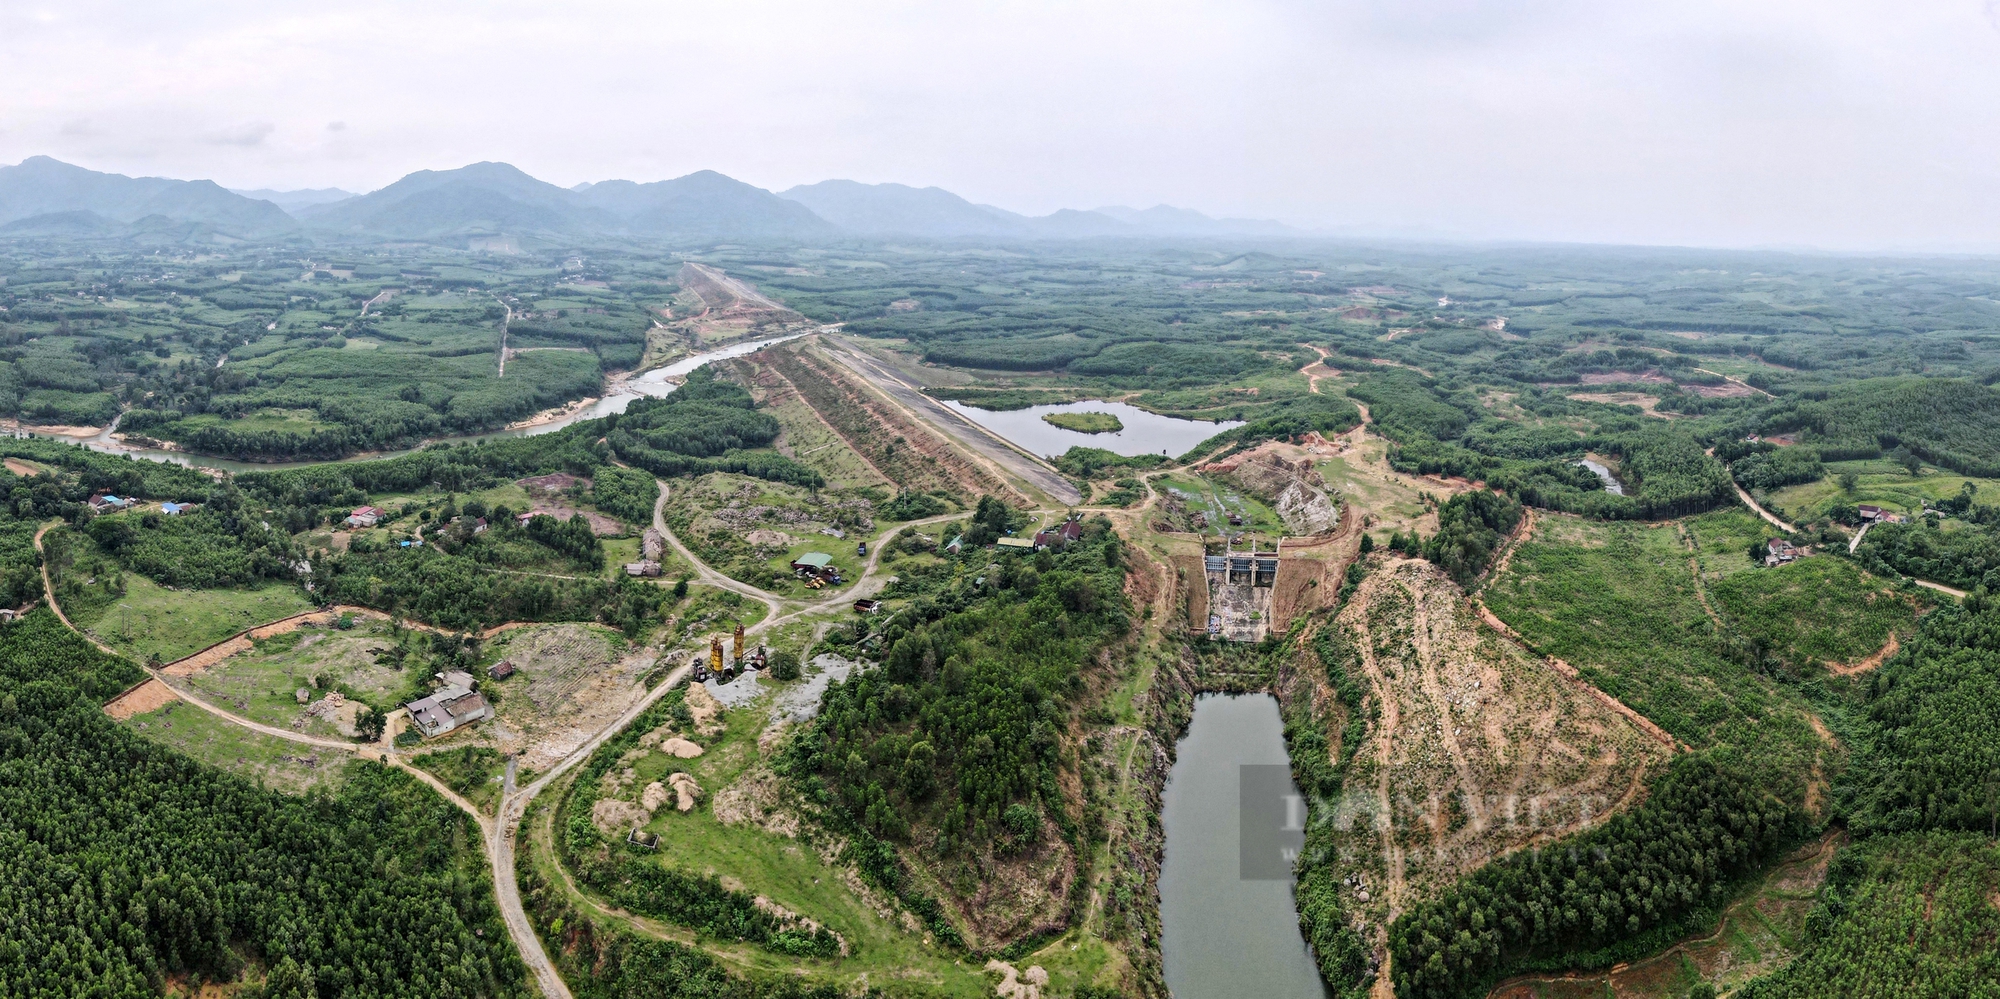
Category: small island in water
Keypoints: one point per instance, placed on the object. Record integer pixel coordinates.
(1085, 423)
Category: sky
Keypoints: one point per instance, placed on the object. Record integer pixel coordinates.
(1831, 124)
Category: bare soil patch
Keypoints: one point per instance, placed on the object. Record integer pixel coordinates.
(149, 696)
(550, 495)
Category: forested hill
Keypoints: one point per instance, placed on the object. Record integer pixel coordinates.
(957, 752)
(129, 863)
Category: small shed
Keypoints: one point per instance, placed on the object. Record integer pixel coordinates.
(813, 562)
(175, 509)
(644, 567)
(500, 670)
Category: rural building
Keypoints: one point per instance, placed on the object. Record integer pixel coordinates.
(867, 606)
(106, 501)
(1021, 543)
(652, 544)
(532, 514)
(1869, 512)
(1779, 552)
(1058, 537)
(365, 516)
(175, 509)
(500, 670)
(644, 567)
(452, 705)
(817, 563)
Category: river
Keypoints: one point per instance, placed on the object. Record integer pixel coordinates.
(654, 382)
(1222, 934)
(1144, 433)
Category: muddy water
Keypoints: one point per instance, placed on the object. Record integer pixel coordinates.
(1144, 433)
(1224, 936)
(657, 382)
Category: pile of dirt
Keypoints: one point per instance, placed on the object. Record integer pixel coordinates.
(655, 795)
(1015, 984)
(705, 709)
(755, 800)
(679, 747)
(686, 790)
(616, 817)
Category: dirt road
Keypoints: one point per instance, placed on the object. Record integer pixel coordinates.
(702, 572)
(1761, 512)
(1035, 471)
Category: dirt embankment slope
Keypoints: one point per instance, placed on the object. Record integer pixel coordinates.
(903, 450)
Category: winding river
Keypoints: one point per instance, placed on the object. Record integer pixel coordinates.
(1224, 932)
(654, 382)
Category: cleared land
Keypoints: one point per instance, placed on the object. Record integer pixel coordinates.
(1475, 748)
(275, 763)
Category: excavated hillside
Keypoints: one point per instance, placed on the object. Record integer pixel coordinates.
(1473, 748)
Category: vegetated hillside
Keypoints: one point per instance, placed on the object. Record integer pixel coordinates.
(1441, 746)
(956, 758)
(130, 863)
(1949, 422)
(1901, 916)
(47, 193)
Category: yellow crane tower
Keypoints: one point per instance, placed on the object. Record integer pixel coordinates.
(715, 653)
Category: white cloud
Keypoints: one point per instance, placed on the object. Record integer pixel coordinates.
(1845, 123)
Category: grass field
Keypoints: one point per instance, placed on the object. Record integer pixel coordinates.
(1364, 477)
(791, 872)
(151, 620)
(1879, 482)
(1820, 610)
(274, 763)
(475, 772)
(1085, 423)
(1620, 602)
(262, 684)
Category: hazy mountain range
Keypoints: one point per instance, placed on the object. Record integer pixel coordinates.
(46, 197)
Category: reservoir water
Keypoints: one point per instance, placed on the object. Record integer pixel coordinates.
(656, 382)
(1611, 483)
(1144, 433)
(1223, 936)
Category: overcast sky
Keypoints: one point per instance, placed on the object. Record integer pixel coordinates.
(1833, 123)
